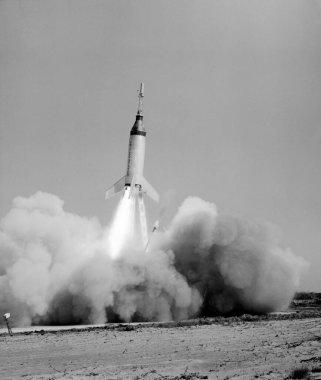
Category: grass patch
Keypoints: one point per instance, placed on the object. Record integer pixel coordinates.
(300, 373)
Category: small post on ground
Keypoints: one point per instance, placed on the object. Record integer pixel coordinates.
(6, 317)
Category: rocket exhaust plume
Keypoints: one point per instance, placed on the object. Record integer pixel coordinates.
(122, 227)
(56, 268)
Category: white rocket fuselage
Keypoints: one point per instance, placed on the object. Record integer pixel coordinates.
(136, 151)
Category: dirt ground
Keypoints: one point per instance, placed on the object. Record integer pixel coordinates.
(229, 350)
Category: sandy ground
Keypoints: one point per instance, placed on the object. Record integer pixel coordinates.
(233, 350)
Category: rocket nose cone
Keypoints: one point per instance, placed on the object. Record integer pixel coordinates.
(138, 125)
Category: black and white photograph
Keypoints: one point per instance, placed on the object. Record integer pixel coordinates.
(160, 189)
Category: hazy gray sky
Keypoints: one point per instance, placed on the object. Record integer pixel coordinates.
(232, 106)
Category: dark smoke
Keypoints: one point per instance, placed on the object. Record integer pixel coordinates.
(55, 267)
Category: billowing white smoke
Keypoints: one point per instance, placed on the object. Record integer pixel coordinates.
(237, 265)
(55, 267)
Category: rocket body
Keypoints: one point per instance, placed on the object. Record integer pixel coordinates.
(135, 163)
(136, 150)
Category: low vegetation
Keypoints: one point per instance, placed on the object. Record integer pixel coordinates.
(300, 373)
(306, 299)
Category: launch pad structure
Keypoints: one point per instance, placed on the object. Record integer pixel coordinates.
(133, 183)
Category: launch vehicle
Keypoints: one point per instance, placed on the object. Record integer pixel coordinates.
(136, 156)
(134, 179)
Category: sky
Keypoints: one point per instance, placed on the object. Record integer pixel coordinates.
(232, 107)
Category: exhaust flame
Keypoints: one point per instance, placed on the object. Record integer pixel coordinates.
(56, 268)
(122, 227)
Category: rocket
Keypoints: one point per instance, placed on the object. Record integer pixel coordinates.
(134, 178)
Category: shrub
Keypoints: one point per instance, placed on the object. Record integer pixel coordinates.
(300, 373)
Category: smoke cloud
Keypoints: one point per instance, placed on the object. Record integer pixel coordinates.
(56, 268)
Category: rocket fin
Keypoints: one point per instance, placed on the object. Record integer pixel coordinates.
(148, 189)
(116, 188)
